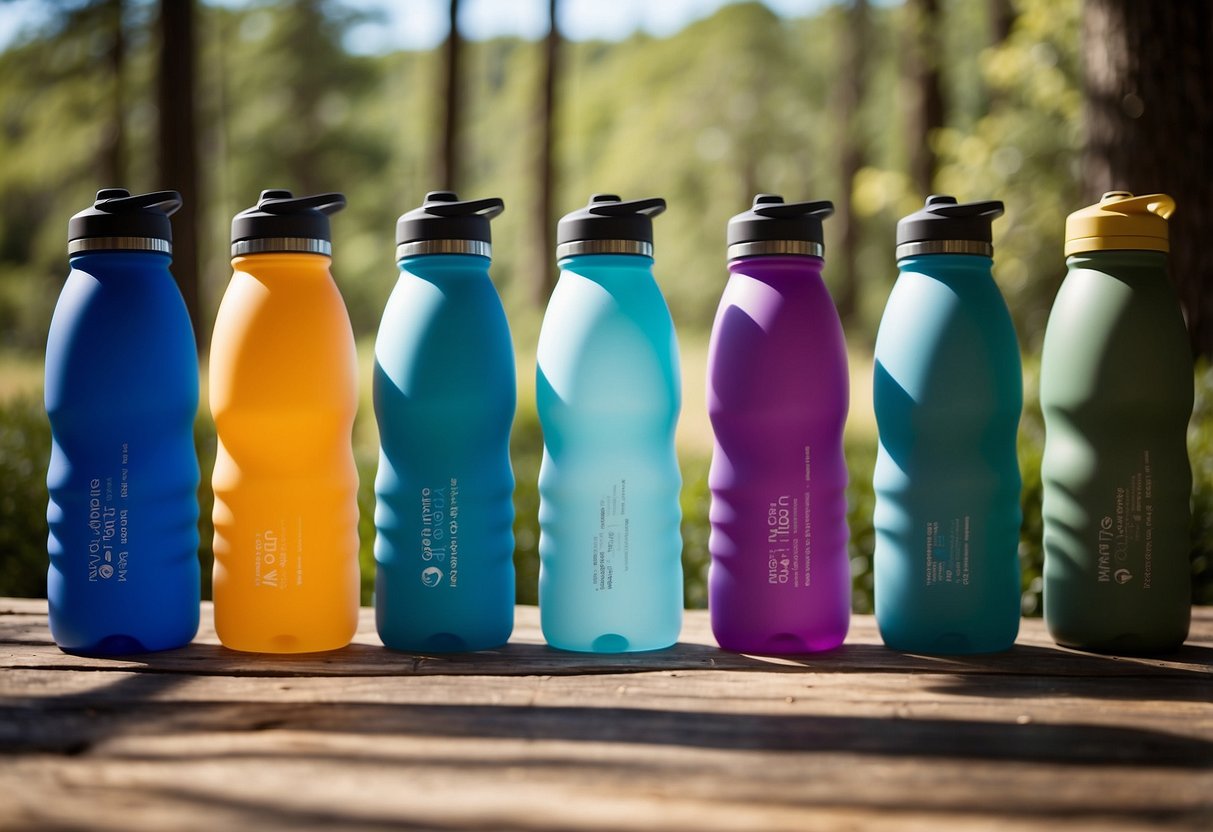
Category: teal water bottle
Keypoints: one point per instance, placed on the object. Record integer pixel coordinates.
(608, 394)
(948, 396)
(444, 401)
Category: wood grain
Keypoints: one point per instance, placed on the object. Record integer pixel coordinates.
(528, 738)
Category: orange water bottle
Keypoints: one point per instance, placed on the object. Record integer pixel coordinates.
(283, 392)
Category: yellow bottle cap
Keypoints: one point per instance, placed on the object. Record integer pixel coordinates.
(1121, 222)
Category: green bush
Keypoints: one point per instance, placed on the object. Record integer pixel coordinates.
(25, 449)
(1200, 451)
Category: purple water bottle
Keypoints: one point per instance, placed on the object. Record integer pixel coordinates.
(778, 391)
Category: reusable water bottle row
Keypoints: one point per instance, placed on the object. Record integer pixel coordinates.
(122, 393)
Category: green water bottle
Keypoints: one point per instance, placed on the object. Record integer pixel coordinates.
(1116, 390)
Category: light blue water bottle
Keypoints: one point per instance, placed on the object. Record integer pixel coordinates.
(948, 395)
(444, 393)
(610, 546)
(121, 395)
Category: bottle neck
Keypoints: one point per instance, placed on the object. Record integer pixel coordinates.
(1155, 261)
(947, 264)
(111, 262)
(795, 266)
(294, 263)
(601, 267)
(445, 265)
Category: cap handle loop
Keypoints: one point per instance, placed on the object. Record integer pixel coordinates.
(1158, 204)
(779, 210)
(990, 209)
(166, 201)
(648, 207)
(329, 203)
(488, 208)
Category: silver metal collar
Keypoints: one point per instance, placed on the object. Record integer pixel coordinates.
(119, 244)
(604, 247)
(945, 247)
(478, 247)
(758, 248)
(298, 245)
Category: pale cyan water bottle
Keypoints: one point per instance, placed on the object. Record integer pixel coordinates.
(608, 392)
(948, 395)
(444, 401)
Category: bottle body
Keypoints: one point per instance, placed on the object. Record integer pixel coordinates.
(122, 395)
(1116, 392)
(948, 393)
(283, 392)
(444, 399)
(608, 396)
(778, 392)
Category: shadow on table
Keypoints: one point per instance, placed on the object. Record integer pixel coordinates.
(1054, 664)
(143, 704)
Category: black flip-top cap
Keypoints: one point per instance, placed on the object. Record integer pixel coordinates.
(444, 224)
(608, 225)
(119, 220)
(945, 226)
(281, 221)
(774, 227)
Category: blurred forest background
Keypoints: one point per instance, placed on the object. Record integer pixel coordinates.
(1043, 104)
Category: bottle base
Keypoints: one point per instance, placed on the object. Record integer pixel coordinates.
(949, 644)
(782, 644)
(115, 645)
(443, 643)
(1123, 644)
(610, 644)
(284, 644)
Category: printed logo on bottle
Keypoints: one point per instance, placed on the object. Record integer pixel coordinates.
(270, 562)
(109, 523)
(440, 534)
(1125, 536)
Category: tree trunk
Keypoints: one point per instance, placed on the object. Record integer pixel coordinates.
(113, 161)
(924, 93)
(1148, 74)
(178, 149)
(545, 238)
(848, 98)
(1001, 20)
(448, 155)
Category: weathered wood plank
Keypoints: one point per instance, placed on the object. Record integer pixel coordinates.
(302, 779)
(527, 738)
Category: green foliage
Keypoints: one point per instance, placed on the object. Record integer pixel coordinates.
(739, 102)
(25, 449)
(1200, 452)
(1031, 534)
(861, 501)
(696, 499)
(526, 452)
(204, 441)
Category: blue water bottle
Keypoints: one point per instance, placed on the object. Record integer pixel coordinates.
(610, 546)
(121, 395)
(948, 395)
(444, 399)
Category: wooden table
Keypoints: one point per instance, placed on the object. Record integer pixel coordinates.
(528, 738)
